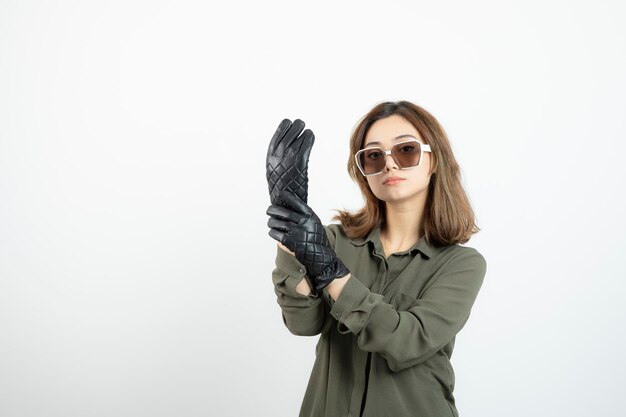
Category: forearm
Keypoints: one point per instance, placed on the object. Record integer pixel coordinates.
(303, 287)
(303, 312)
(408, 335)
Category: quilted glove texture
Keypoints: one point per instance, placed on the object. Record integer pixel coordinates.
(288, 158)
(294, 224)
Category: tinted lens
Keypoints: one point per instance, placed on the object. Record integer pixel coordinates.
(372, 160)
(407, 154)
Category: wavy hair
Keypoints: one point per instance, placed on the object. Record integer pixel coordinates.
(448, 217)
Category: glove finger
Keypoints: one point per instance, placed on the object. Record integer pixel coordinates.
(276, 234)
(280, 225)
(292, 134)
(282, 238)
(283, 213)
(278, 136)
(305, 144)
(287, 198)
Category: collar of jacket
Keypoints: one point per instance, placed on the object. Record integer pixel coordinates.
(374, 237)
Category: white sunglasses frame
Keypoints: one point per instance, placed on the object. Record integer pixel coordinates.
(423, 148)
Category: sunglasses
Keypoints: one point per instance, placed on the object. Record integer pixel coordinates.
(407, 154)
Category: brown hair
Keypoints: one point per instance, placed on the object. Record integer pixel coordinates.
(448, 216)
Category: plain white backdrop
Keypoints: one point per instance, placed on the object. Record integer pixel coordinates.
(135, 264)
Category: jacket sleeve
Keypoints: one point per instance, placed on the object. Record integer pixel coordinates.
(303, 315)
(407, 338)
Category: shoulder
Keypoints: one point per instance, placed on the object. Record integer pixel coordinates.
(468, 263)
(458, 255)
(472, 254)
(333, 228)
(460, 267)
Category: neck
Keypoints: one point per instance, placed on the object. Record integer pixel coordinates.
(402, 222)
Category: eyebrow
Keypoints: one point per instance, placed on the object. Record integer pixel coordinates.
(396, 138)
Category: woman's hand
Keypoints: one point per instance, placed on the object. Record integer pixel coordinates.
(288, 158)
(294, 224)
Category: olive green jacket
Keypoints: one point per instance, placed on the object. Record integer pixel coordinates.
(385, 344)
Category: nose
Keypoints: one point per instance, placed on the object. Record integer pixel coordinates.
(390, 163)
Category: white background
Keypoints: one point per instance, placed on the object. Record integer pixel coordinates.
(135, 264)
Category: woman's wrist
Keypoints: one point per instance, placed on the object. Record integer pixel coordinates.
(336, 286)
(303, 288)
(283, 247)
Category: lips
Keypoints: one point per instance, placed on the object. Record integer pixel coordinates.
(393, 179)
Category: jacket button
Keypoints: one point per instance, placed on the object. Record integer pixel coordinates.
(337, 315)
(301, 270)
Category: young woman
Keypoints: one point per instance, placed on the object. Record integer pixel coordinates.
(390, 286)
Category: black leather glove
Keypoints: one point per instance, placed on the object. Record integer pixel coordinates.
(287, 159)
(294, 224)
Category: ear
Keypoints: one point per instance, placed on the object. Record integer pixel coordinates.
(432, 166)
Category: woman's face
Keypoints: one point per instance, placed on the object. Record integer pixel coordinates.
(415, 180)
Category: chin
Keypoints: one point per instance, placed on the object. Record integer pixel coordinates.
(391, 196)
